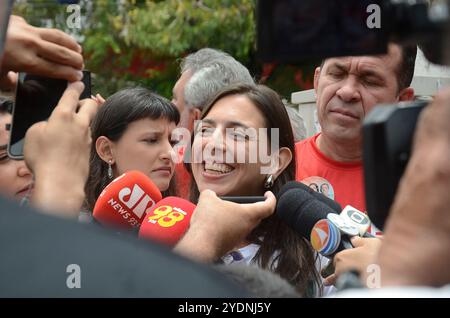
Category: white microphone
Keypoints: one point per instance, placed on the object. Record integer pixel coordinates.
(357, 219)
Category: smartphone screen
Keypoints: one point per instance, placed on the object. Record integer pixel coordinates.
(36, 97)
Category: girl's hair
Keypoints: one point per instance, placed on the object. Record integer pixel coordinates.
(281, 249)
(112, 120)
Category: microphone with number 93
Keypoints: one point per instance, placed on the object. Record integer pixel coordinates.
(126, 200)
(167, 221)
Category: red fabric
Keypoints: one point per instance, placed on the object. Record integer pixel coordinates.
(346, 179)
(182, 177)
(182, 181)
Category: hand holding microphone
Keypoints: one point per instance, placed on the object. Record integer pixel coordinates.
(363, 253)
(344, 238)
(217, 226)
(330, 233)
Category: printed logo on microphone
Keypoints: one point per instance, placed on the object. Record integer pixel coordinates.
(356, 218)
(354, 215)
(343, 225)
(325, 237)
(145, 203)
(166, 216)
(320, 235)
(132, 204)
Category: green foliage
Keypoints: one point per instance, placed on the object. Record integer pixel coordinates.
(129, 42)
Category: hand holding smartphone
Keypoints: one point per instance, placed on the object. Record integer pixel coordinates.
(36, 97)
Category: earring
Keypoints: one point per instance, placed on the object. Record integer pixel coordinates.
(268, 183)
(110, 172)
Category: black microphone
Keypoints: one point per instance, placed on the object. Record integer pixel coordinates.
(319, 196)
(301, 208)
(302, 211)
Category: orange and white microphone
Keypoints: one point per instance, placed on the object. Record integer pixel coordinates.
(167, 221)
(126, 200)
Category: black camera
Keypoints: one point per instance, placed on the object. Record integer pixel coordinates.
(293, 31)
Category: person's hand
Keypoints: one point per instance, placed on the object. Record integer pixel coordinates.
(40, 51)
(8, 81)
(99, 99)
(57, 152)
(217, 226)
(363, 254)
(417, 240)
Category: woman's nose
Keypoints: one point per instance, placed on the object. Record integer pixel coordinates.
(22, 170)
(168, 153)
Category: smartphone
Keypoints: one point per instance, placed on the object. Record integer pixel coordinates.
(244, 199)
(36, 97)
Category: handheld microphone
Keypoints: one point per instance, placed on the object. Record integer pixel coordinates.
(328, 232)
(295, 199)
(319, 196)
(325, 237)
(126, 200)
(167, 221)
(330, 236)
(301, 210)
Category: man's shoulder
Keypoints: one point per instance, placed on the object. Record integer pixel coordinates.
(305, 142)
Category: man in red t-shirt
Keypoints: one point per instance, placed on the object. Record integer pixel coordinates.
(330, 162)
(347, 89)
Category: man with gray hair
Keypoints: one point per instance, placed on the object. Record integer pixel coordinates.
(203, 74)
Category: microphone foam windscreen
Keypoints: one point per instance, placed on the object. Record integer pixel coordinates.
(299, 185)
(300, 210)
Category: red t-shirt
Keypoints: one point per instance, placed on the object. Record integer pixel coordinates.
(343, 182)
(182, 177)
(182, 181)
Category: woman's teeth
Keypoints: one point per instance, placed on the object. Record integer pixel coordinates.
(218, 168)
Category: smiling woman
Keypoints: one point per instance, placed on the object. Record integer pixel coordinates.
(132, 131)
(240, 121)
(16, 180)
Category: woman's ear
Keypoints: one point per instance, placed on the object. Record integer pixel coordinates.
(105, 149)
(282, 160)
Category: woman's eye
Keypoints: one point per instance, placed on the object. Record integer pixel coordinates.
(206, 131)
(239, 136)
(151, 140)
